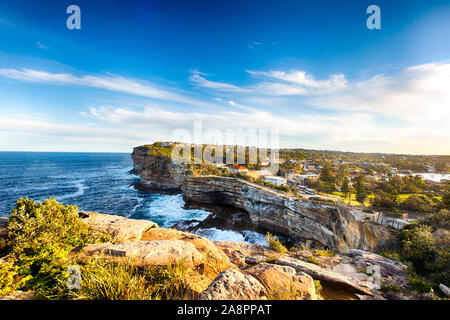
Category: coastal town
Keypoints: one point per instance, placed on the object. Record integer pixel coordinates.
(387, 182)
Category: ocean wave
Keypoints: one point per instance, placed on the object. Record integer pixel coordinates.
(139, 203)
(80, 191)
(168, 210)
(248, 236)
(255, 238)
(217, 234)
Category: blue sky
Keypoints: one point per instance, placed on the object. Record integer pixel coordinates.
(137, 71)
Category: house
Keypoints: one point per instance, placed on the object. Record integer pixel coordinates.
(311, 168)
(238, 169)
(278, 181)
(312, 176)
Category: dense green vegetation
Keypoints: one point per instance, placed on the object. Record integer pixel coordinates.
(41, 244)
(425, 246)
(39, 239)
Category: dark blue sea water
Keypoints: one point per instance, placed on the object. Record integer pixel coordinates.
(98, 182)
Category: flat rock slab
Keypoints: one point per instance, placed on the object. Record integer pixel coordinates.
(325, 275)
(121, 228)
(284, 280)
(391, 271)
(234, 285)
(144, 253)
(255, 259)
(238, 251)
(215, 260)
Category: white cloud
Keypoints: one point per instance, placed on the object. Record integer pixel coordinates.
(350, 131)
(110, 82)
(420, 94)
(300, 83)
(402, 112)
(40, 45)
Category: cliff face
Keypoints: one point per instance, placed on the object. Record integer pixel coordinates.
(334, 227)
(157, 172)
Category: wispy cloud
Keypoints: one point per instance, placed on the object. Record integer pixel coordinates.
(417, 94)
(298, 82)
(199, 80)
(40, 45)
(107, 82)
(406, 111)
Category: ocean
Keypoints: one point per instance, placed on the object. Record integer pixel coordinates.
(98, 182)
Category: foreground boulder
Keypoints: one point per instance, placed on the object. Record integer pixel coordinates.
(282, 281)
(121, 228)
(325, 275)
(445, 289)
(389, 271)
(238, 252)
(234, 285)
(144, 253)
(214, 260)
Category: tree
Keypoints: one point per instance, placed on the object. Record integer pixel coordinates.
(361, 189)
(346, 188)
(327, 175)
(418, 246)
(382, 200)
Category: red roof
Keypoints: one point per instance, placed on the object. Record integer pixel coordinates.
(238, 168)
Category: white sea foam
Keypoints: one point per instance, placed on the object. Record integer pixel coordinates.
(139, 200)
(168, 210)
(254, 237)
(80, 191)
(217, 234)
(231, 235)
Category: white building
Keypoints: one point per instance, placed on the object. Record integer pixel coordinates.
(278, 181)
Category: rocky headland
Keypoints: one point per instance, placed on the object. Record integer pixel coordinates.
(330, 226)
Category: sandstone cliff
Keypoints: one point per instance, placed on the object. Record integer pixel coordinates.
(332, 226)
(157, 171)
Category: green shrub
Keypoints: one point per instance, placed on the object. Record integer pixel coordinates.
(325, 253)
(389, 287)
(319, 288)
(40, 237)
(168, 282)
(275, 244)
(313, 260)
(102, 280)
(8, 278)
(420, 285)
(391, 255)
(418, 246)
(282, 293)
